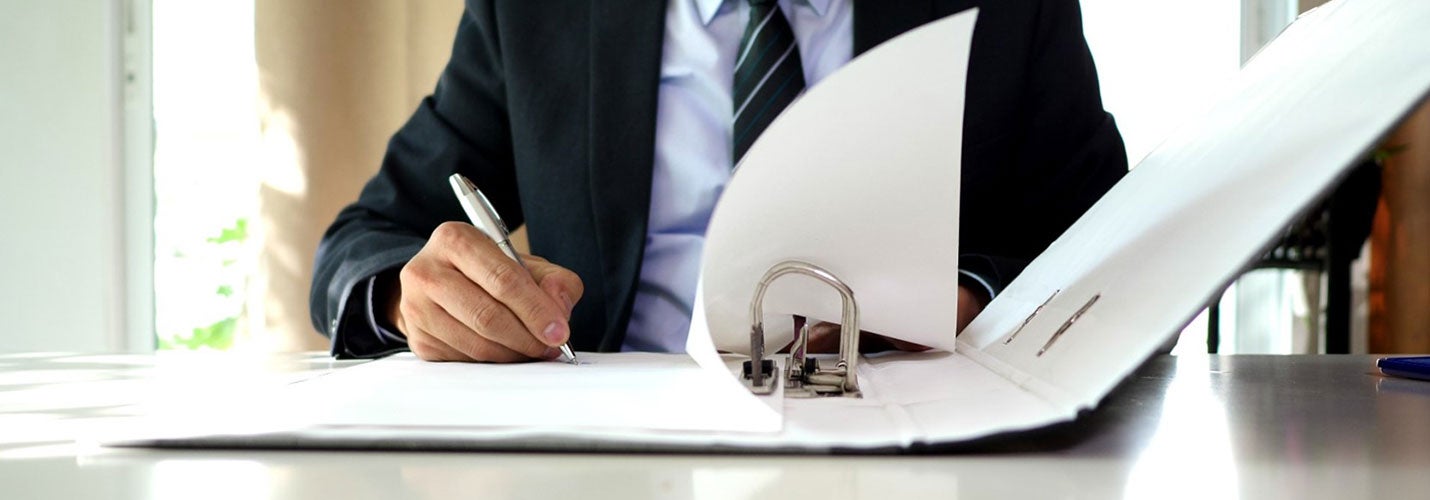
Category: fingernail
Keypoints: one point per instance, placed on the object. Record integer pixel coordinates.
(551, 353)
(555, 333)
(569, 304)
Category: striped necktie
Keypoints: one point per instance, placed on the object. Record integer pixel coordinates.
(768, 74)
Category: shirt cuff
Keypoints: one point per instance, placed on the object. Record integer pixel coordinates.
(384, 335)
(978, 281)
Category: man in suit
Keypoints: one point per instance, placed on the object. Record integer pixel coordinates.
(610, 127)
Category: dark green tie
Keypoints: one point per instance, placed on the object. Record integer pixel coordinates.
(768, 74)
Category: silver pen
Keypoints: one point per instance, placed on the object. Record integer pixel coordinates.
(485, 217)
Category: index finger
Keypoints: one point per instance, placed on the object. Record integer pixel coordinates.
(560, 283)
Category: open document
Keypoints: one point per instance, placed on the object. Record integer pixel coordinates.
(1099, 301)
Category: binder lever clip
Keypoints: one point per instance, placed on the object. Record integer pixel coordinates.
(803, 377)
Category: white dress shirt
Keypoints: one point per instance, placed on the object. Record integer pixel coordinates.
(693, 144)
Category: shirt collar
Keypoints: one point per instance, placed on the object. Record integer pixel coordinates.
(708, 8)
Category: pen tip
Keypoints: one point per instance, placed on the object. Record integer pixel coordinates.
(569, 355)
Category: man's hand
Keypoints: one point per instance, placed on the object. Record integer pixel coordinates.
(461, 299)
(824, 336)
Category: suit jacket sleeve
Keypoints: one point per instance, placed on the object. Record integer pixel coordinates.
(1068, 155)
(462, 126)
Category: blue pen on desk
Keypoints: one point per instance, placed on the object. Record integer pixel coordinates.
(1416, 367)
(485, 217)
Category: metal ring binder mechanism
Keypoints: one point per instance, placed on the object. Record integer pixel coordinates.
(803, 378)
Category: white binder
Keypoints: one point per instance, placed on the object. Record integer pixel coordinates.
(1130, 273)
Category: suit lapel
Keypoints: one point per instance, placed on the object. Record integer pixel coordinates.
(625, 42)
(876, 21)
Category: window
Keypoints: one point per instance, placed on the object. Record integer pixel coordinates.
(207, 131)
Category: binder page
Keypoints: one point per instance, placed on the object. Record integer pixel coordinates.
(910, 398)
(860, 177)
(607, 390)
(1213, 197)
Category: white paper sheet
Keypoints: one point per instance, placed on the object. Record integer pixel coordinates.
(909, 398)
(608, 390)
(860, 177)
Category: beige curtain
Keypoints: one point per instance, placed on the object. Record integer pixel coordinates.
(337, 77)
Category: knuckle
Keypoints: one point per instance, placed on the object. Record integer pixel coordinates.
(573, 282)
(422, 349)
(447, 232)
(504, 279)
(485, 315)
(405, 274)
(415, 275)
(411, 315)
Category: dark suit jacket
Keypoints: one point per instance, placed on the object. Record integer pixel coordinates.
(552, 112)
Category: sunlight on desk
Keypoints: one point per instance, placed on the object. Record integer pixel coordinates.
(1190, 455)
(212, 479)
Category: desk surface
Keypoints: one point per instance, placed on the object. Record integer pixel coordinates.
(1189, 427)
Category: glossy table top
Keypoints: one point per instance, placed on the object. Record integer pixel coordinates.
(1181, 427)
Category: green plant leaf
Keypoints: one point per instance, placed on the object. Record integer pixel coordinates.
(238, 233)
(217, 336)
